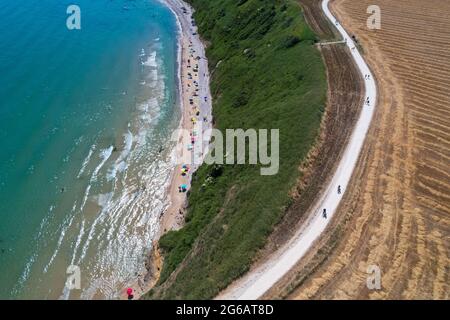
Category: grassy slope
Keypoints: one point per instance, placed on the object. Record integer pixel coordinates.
(278, 82)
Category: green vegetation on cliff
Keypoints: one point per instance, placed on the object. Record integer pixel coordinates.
(266, 74)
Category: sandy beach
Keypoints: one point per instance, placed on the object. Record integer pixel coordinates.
(195, 104)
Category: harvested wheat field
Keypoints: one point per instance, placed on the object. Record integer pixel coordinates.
(397, 213)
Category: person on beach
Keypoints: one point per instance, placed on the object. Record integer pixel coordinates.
(324, 213)
(130, 294)
(339, 190)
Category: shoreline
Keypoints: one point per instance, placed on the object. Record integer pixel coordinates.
(172, 218)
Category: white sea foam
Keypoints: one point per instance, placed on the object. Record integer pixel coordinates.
(78, 242)
(58, 245)
(152, 78)
(104, 156)
(150, 112)
(65, 226)
(129, 222)
(26, 272)
(104, 199)
(121, 164)
(151, 60)
(86, 161)
(85, 197)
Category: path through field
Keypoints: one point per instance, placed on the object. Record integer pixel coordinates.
(258, 281)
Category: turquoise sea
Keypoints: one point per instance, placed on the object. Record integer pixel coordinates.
(85, 121)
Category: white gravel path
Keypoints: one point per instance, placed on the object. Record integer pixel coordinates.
(256, 283)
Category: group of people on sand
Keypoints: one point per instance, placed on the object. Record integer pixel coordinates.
(192, 89)
(182, 188)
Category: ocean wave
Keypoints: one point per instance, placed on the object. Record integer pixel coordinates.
(78, 242)
(151, 60)
(86, 162)
(26, 273)
(65, 226)
(120, 164)
(152, 78)
(104, 199)
(104, 155)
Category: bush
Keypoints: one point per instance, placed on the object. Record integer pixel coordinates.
(290, 41)
(241, 99)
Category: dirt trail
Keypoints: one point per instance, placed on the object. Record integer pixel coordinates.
(396, 215)
(343, 106)
(345, 98)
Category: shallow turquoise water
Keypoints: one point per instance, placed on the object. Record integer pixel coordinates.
(85, 117)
